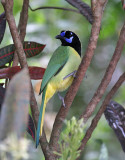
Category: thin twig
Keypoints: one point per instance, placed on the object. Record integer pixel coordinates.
(79, 77)
(53, 7)
(23, 20)
(101, 110)
(8, 7)
(107, 77)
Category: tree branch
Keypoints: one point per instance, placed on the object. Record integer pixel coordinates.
(22, 27)
(101, 110)
(53, 7)
(23, 20)
(107, 77)
(8, 7)
(79, 76)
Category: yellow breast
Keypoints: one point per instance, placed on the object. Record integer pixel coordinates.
(58, 82)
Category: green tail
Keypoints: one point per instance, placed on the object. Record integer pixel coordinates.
(41, 118)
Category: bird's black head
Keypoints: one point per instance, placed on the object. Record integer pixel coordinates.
(69, 38)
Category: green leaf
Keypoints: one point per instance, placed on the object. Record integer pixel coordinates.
(70, 139)
(6, 54)
(14, 113)
(30, 48)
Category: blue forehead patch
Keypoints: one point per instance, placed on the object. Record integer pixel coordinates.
(69, 40)
(62, 34)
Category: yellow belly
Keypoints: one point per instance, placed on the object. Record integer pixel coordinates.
(58, 86)
(57, 83)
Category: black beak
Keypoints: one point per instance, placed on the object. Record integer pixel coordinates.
(60, 37)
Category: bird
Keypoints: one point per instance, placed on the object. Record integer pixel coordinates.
(59, 73)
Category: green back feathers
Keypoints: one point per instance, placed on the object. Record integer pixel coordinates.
(58, 59)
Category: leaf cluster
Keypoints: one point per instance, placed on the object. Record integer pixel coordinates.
(70, 139)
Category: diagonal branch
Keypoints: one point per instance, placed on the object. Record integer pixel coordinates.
(22, 27)
(79, 76)
(101, 110)
(107, 77)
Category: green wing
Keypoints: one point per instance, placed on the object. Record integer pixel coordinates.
(57, 61)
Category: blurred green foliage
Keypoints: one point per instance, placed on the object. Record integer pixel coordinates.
(70, 139)
(44, 25)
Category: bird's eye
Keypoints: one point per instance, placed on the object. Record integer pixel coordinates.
(71, 33)
(68, 34)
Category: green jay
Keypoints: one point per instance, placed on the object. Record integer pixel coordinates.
(60, 72)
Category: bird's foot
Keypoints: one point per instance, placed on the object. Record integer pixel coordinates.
(71, 74)
(62, 99)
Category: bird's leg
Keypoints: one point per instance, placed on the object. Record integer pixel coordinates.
(62, 99)
(71, 74)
